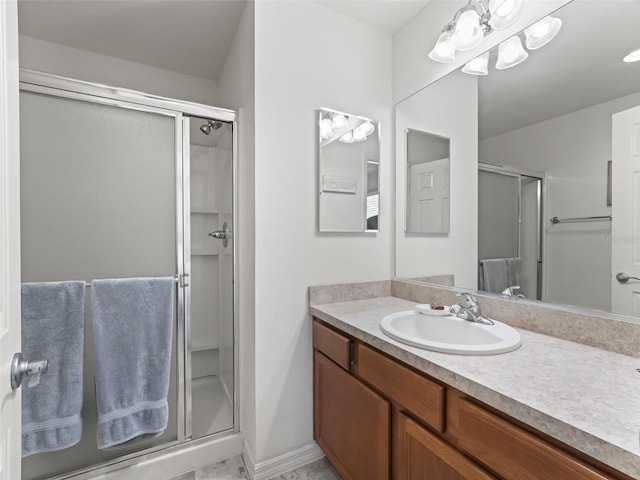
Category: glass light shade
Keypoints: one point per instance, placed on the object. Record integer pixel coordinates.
(339, 122)
(443, 51)
(468, 33)
(505, 13)
(326, 129)
(478, 66)
(542, 32)
(632, 57)
(363, 130)
(347, 137)
(511, 53)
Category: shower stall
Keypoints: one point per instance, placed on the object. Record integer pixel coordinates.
(119, 184)
(510, 207)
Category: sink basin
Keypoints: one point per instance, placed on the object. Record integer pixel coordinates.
(450, 334)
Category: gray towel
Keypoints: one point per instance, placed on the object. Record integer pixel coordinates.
(494, 275)
(132, 329)
(53, 329)
(514, 269)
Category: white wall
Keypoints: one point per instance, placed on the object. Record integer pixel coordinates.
(413, 70)
(573, 149)
(237, 91)
(307, 57)
(448, 108)
(61, 60)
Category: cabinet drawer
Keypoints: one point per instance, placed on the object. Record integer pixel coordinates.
(416, 393)
(514, 453)
(335, 346)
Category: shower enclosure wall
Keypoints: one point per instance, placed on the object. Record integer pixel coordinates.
(510, 204)
(118, 184)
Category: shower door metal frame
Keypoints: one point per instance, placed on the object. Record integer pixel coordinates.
(541, 214)
(64, 87)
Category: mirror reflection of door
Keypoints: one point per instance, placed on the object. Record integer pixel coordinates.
(625, 251)
(428, 172)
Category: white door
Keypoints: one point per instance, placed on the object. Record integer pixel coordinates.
(429, 197)
(625, 228)
(10, 414)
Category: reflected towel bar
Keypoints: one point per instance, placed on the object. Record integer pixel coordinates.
(176, 278)
(555, 220)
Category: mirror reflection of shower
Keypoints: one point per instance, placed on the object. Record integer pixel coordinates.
(211, 124)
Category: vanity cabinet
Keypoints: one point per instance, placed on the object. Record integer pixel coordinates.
(351, 421)
(377, 418)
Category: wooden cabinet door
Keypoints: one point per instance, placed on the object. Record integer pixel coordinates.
(351, 423)
(420, 455)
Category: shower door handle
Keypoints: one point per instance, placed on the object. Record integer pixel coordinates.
(21, 368)
(225, 234)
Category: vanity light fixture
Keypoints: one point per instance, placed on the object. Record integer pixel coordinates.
(444, 51)
(511, 53)
(505, 13)
(478, 66)
(332, 123)
(467, 33)
(632, 57)
(542, 32)
(358, 134)
(339, 121)
(472, 23)
(326, 128)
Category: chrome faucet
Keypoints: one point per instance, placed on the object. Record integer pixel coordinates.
(510, 292)
(470, 310)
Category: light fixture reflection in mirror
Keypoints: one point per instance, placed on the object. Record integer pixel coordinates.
(549, 118)
(428, 169)
(348, 166)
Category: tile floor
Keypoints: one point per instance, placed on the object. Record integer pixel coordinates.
(234, 469)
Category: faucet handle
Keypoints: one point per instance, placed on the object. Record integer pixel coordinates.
(472, 301)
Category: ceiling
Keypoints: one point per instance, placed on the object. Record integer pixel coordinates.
(581, 67)
(187, 36)
(386, 15)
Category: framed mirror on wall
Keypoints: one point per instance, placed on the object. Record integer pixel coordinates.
(546, 127)
(348, 172)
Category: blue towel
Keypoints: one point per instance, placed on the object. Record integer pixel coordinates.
(52, 328)
(132, 331)
(494, 276)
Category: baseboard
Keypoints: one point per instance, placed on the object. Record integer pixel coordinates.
(284, 463)
(249, 459)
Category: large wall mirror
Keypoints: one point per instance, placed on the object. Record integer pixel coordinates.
(545, 194)
(348, 167)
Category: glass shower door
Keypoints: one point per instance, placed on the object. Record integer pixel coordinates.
(98, 200)
(211, 262)
(509, 216)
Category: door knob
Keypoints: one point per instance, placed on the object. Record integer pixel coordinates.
(624, 278)
(21, 368)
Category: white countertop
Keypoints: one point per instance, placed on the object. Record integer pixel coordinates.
(583, 396)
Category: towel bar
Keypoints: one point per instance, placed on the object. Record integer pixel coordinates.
(176, 278)
(556, 220)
